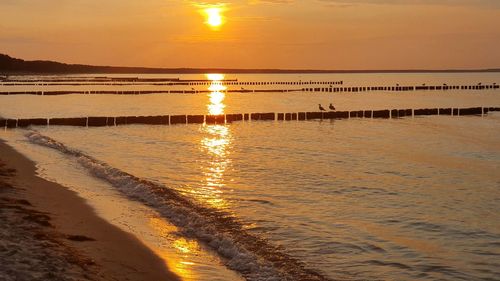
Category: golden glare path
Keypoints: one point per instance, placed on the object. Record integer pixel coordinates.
(216, 95)
(181, 263)
(216, 144)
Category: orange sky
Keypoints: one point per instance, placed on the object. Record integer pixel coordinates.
(315, 34)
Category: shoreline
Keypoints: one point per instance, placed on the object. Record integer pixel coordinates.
(50, 232)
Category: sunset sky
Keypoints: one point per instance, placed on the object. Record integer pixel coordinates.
(316, 34)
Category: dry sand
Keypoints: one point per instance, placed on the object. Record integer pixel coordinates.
(47, 232)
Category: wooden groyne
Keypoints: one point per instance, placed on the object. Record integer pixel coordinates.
(58, 93)
(330, 89)
(100, 121)
(160, 82)
(402, 88)
(82, 79)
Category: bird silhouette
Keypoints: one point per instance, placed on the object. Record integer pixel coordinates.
(331, 107)
(321, 108)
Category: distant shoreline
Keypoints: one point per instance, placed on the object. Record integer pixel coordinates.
(13, 66)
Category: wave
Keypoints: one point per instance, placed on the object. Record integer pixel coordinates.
(252, 256)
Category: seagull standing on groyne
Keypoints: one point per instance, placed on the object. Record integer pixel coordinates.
(332, 108)
(321, 108)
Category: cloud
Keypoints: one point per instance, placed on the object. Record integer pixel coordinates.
(254, 2)
(477, 3)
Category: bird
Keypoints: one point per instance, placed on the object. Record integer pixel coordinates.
(321, 108)
(331, 107)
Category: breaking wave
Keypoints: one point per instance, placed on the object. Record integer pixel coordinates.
(252, 256)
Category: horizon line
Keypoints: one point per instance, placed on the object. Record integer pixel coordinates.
(198, 70)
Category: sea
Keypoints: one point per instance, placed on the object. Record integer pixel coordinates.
(413, 198)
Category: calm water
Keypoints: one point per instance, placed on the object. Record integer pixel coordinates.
(358, 199)
(157, 104)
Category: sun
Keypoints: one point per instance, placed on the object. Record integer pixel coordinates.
(214, 17)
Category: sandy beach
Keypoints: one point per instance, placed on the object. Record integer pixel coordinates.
(47, 232)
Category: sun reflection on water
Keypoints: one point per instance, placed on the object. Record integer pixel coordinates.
(215, 76)
(216, 144)
(181, 263)
(216, 95)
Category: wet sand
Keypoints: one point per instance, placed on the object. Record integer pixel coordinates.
(47, 232)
